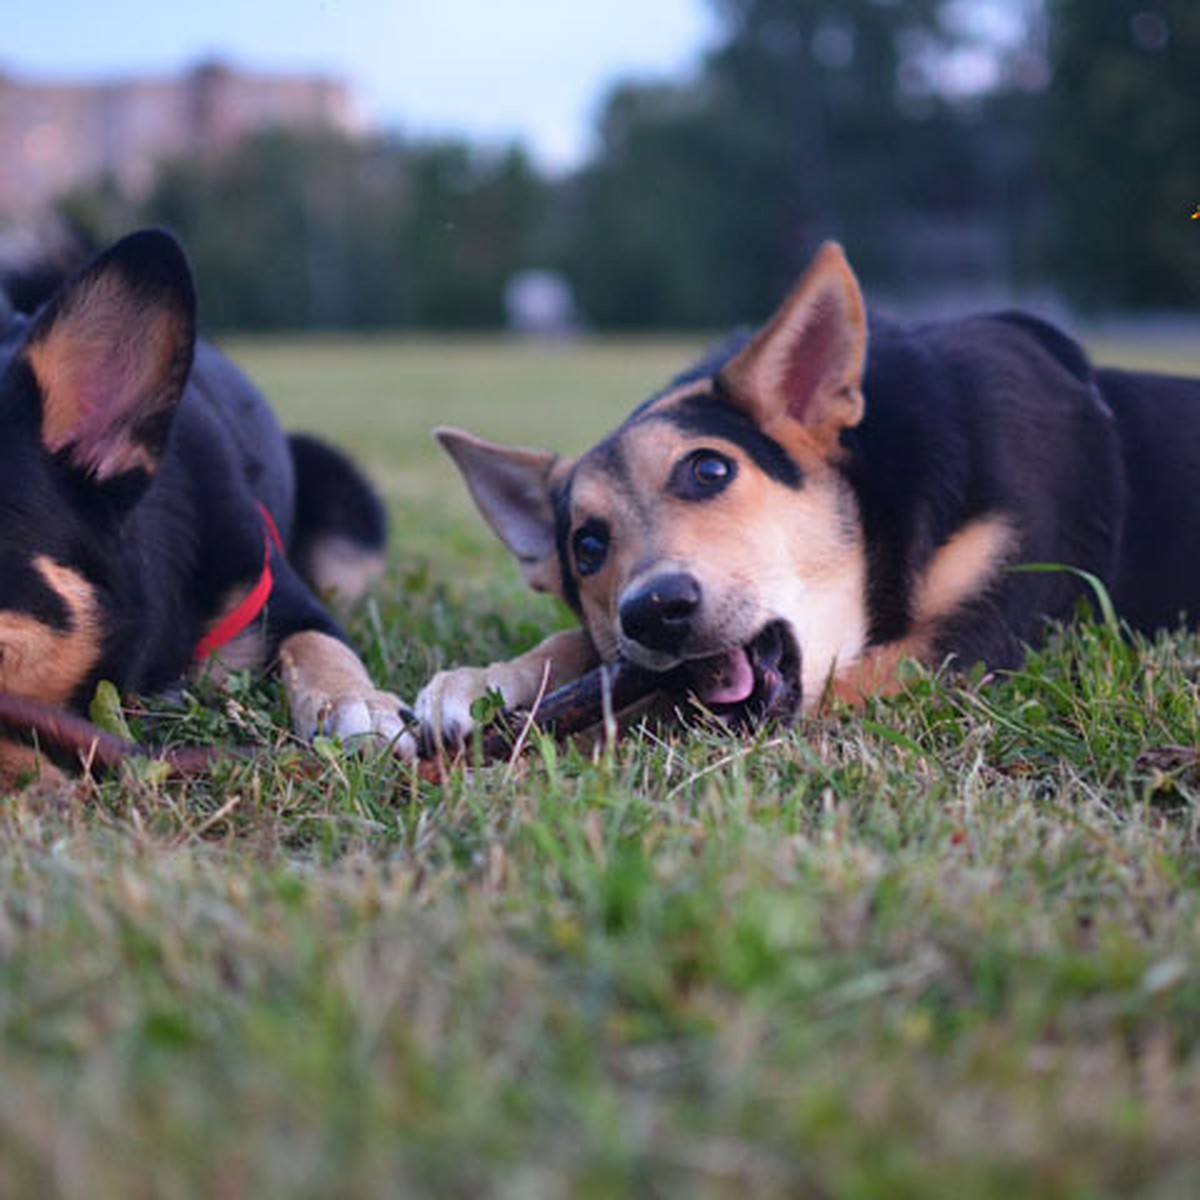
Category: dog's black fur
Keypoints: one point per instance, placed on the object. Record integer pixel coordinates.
(1099, 468)
(1006, 412)
(133, 463)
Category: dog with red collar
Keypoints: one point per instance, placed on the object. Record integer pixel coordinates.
(154, 517)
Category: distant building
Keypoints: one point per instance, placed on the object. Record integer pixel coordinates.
(56, 136)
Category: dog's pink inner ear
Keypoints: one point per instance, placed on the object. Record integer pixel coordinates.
(111, 365)
(811, 359)
(807, 363)
(513, 489)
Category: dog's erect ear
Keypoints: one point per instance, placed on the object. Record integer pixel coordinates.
(110, 354)
(806, 364)
(514, 490)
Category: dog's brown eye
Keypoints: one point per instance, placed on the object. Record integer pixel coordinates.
(590, 544)
(702, 474)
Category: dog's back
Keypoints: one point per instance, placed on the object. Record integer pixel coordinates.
(330, 518)
(1159, 421)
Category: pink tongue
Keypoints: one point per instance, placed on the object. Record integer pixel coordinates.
(727, 679)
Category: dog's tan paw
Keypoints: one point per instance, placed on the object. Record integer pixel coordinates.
(377, 715)
(443, 706)
(20, 765)
(330, 693)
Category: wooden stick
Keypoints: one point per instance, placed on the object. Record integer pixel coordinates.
(569, 710)
(576, 706)
(57, 729)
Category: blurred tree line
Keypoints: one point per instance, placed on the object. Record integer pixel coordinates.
(957, 147)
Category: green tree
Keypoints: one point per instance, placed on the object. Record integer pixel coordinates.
(321, 231)
(670, 224)
(465, 222)
(268, 228)
(812, 119)
(1121, 143)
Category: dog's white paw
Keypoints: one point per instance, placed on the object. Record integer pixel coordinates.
(443, 706)
(376, 717)
(331, 694)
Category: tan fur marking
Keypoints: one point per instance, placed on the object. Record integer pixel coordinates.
(877, 673)
(246, 652)
(329, 691)
(45, 663)
(93, 334)
(960, 572)
(19, 763)
(671, 399)
(963, 568)
(340, 567)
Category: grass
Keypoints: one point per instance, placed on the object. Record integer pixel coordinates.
(950, 946)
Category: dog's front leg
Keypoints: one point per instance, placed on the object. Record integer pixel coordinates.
(444, 704)
(330, 692)
(878, 671)
(21, 764)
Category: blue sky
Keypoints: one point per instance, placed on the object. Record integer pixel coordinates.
(493, 69)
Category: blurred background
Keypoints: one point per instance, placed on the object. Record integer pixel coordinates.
(610, 164)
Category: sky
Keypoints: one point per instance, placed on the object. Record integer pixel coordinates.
(494, 70)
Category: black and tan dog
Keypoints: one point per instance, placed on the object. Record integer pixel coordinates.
(146, 495)
(812, 505)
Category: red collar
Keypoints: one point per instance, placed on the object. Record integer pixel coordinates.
(230, 625)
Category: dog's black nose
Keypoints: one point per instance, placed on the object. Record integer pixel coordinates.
(659, 614)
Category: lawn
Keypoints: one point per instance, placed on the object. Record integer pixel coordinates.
(948, 947)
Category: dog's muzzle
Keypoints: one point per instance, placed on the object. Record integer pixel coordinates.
(741, 683)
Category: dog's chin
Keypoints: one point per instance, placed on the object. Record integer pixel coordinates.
(748, 684)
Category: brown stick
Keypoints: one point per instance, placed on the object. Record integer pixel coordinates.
(571, 709)
(57, 729)
(576, 706)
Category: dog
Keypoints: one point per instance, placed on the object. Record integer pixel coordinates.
(154, 519)
(815, 503)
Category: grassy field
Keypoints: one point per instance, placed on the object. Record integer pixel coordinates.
(948, 947)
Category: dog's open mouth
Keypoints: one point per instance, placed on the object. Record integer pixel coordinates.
(749, 683)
